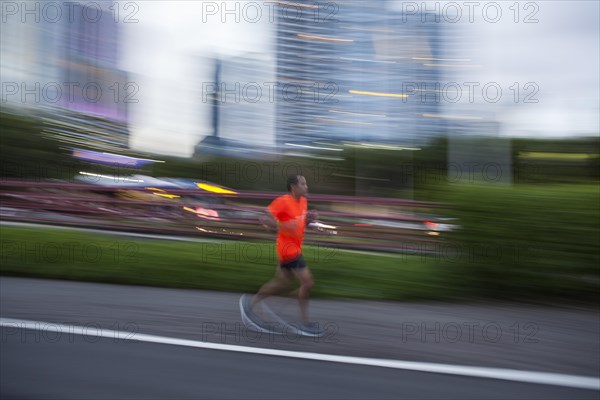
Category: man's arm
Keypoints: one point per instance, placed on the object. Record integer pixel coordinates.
(268, 221)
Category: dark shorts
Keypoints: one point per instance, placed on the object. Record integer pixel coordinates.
(297, 263)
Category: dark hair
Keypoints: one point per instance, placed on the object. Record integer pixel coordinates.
(292, 180)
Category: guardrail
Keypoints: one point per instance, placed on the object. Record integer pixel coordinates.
(362, 223)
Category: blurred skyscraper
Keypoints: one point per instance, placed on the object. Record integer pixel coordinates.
(62, 61)
(242, 97)
(90, 57)
(359, 71)
(29, 65)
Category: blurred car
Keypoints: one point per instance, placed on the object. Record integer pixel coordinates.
(431, 225)
(160, 197)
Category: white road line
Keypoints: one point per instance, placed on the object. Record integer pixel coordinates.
(544, 378)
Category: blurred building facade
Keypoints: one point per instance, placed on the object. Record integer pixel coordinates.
(64, 64)
(359, 71)
(90, 57)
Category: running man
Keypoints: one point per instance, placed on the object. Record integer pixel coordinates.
(288, 214)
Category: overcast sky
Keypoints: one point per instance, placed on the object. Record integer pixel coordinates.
(559, 53)
(558, 56)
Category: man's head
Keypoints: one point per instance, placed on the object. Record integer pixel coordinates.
(297, 186)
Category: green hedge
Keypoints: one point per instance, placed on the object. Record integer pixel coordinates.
(524, 242)
(227, 266)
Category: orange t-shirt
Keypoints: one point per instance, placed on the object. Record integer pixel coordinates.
(287, 208)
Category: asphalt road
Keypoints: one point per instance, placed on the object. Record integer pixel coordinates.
(84, 368)
(36, 364)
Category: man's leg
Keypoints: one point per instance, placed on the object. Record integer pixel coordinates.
(279, 284)
(306, 283)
